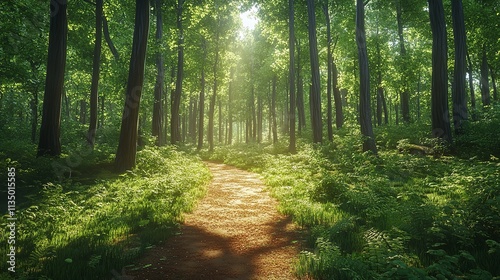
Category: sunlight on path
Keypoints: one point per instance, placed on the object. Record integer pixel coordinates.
(235, 233)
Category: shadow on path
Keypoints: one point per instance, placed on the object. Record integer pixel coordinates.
(235, 233)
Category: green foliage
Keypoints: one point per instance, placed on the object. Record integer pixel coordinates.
(83, 229)
(480, 137)
(395, 216)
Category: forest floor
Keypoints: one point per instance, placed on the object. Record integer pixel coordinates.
(235, 232)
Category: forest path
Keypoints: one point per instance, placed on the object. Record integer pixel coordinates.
(235, 232)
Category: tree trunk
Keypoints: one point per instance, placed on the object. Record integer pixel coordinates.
(111, 46)
(176, 98)
(273, 111)
(405, 95)
(253, 114)
(229, 109)
(259, 119)
(193, 109)
(50, 129)
(211, 111)
(202, 97)
(127, 147)
(300, 92)
(339, 115)
(329, 108)
(439, 92)
(493, 83)
(291, 75)
(485, 86)
(471, 84)
(95, 74)
(221, 128)
(160, 77)
(380, 89)
(316, 121)
(364, 81)
(459, 84)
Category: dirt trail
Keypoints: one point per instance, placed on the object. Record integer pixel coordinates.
(234, 233)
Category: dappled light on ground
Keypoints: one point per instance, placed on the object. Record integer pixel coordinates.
(234, 233)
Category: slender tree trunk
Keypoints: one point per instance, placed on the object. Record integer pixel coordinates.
(291, 75)
(221, 128)
(471, 84)
(273, 111)
(229, 109)
(329, 71)
(127, 147)
(50, 129)
(364, 84)
(211, 111)
(418, 98)
(176, 98)
(34, 115)
(405, 95)
(202, 97)
(253, 114)
(259, 119)
(111, 46)
(439, 92)
(485, 86)
(158, 96)
(101, 122)
(95, 74)
(315, 93)
(459, 84)
(339, 115)
(300, 92)
(193, 109)
(380, 89)
(168, 113)
(493, 83)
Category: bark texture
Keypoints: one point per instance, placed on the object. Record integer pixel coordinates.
(127, 147)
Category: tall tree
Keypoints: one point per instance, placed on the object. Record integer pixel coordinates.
(471, 83)
(95, 74)
(211, 110)
(439, 91)
(175, 133)
(405, 95)
(160, 77)
(291, 76)
(459, 84)
(273, 111)
(230, 108)
(485, 85)
(315, 78)
(493, 83)
(127, 146)
(329, 122)
(202, 95)
(339, 115)
(50, 130)
(300, 91)
(364, 81)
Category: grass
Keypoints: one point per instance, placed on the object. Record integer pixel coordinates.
(395, 216)
(96, 222)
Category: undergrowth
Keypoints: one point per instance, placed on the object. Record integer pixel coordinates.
(395, 216)
(89, 223)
